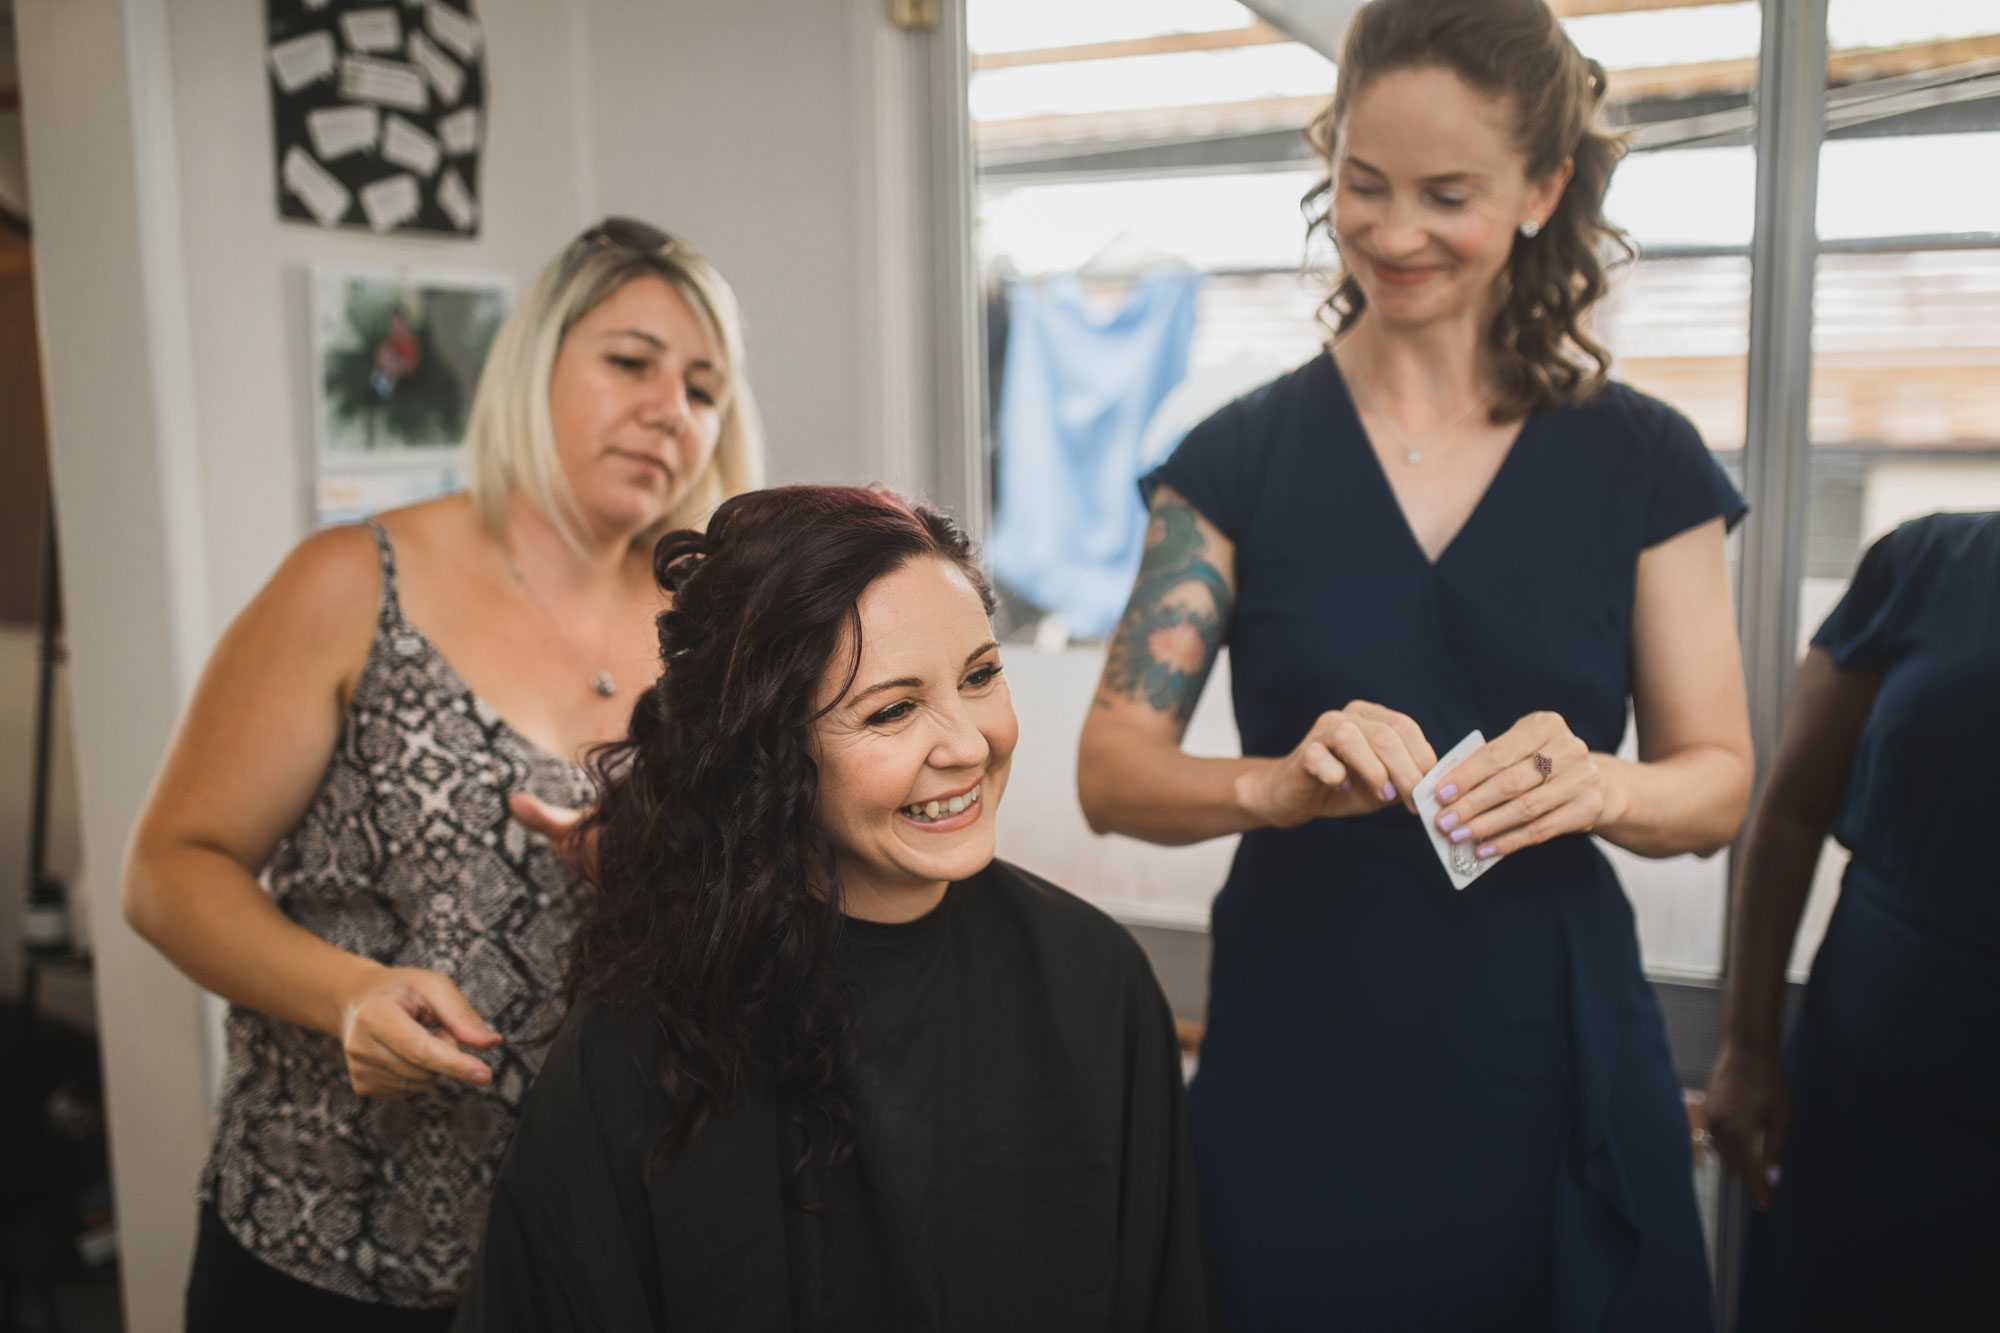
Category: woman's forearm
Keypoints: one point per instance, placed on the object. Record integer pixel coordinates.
(1801, 799)
(1146, 787)
(1779, 857)
(1692, 801)
(213, 921)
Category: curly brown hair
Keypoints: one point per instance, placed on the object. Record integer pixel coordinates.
(1542, 355)
(718, 918)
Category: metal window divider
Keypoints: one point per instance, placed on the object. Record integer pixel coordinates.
(1791, 122)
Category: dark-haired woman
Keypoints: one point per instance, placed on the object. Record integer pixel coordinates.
(1888, 746)
(1419, 1106)
(830, 1065)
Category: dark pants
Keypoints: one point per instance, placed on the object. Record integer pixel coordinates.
(233, 1291)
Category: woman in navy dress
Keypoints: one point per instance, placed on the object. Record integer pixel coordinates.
(1885, 1111)
(1420, 1107)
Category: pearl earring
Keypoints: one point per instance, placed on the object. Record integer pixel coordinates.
(1531, 229)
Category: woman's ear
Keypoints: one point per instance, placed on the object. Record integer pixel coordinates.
(1545, 193)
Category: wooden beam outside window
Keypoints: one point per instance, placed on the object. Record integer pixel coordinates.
(1572, 9)
(1207, 121)
(1856, 65)
(1226, 39)
(1269, 113)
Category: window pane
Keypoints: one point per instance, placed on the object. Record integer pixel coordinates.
(1119, 139)
(1906, 340)
(1678, 322)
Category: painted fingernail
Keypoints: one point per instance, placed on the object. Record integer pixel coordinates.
(1388, 791)
(1345, 783)
(1486, 852)
(1771, 1175)
(1448, 793)
(1460, 835)
(1448, 821)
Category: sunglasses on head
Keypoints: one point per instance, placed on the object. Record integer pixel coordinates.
(620, 233)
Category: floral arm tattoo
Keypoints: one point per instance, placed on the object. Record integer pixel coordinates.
(1166, 642)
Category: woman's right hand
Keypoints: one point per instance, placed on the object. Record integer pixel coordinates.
(1354, 761)
(1749, 1109)
(402, 1030)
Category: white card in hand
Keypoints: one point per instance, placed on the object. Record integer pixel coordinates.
(1461, 861)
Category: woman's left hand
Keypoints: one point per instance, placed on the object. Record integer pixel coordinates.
(559, 824)
(1501, 799)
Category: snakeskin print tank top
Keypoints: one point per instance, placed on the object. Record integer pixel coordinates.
(407, 855)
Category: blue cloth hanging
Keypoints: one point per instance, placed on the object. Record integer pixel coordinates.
(1078, 393)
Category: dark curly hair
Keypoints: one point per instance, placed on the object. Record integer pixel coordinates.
(718, 920)
(1543, 356)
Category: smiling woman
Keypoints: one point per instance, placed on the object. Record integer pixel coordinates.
(829, 1064)
(1447, 527)
(913, 754)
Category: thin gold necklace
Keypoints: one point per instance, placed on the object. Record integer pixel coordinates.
(1413, 450)
(600, 678)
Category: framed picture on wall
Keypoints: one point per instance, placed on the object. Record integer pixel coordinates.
(396, 358)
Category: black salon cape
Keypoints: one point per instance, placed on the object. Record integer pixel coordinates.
(1022, 1158)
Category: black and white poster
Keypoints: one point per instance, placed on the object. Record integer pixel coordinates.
(377, 112)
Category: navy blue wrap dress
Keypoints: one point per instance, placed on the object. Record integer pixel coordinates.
(1419, 1108)
(1888, 1212)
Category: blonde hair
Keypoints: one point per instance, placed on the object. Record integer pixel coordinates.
(510, 439)
(1542, 352)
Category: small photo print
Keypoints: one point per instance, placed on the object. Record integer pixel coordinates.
(396, 358)
(399, 355)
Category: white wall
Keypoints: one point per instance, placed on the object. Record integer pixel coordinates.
(124, 581)
(732, 126)
(775, 136)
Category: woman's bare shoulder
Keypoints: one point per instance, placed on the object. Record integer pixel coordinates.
(335, 572)
(315, 617)
(449, 522)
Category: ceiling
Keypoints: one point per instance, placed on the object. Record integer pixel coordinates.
(1320, 24)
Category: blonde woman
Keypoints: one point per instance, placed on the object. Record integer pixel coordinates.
(357, 735)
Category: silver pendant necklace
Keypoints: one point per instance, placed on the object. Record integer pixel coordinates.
(1413, 450)
(600, 679)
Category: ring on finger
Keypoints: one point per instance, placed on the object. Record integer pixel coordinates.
(1544, 765)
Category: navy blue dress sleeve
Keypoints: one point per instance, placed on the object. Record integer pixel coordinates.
(1216, 468)
(1863, 631)
(1221, 465)
(1689, 486)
